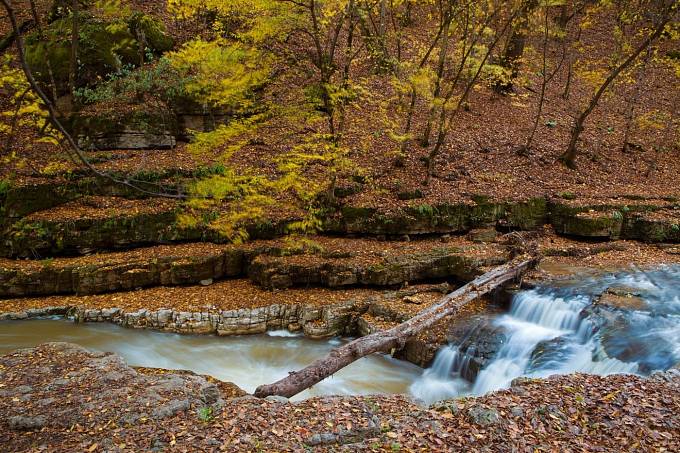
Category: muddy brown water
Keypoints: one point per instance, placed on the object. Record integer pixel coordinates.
(247, 361)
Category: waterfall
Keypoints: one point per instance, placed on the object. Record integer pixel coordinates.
(443, 379)
(540, 316)
(557, 330)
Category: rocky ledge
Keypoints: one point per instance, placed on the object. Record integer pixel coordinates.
(60, 397)
(339, 314)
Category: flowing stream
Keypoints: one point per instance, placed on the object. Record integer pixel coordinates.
(247, 361)
(558, 330)
(548, 330)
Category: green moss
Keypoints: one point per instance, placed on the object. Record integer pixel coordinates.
(425, 210)
(153, 30)
(527, 215)
(351, 214)
(104, 47)
(604, 225)
(5, 186)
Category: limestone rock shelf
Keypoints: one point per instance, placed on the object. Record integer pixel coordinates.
(339, 262)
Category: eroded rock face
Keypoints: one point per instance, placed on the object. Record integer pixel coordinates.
(316, 322)
(445, 262)
(132, 139)
(479, 339)
(107, 277)
(31, 376)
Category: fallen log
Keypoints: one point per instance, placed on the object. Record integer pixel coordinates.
(396, 337)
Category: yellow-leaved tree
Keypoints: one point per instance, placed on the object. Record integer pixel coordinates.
(254, 69)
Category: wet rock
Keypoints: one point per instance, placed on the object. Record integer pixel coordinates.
(479, 340)
(622, 302)
(545, 352)
(171, 408)
(278, 399)
(483, 416)
(27, 423)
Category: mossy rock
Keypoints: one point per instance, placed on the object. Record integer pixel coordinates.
(527, 215)
(410, 194)
(155, 35)
(21, 201)
(54, 238)
(351, 214)
(104, 47)
(137, 128)
(648, 229)
(605, 225)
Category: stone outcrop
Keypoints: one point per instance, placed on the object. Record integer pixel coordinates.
(440, 218)
(131, 138)
(263, 264)
(604, 219)
(127, 395)
(131, 223)
(314, 321)
(120, 276)
(643, 220)
(48, 237)
(443, 262)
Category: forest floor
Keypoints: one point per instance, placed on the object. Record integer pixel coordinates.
(480, 155)
(73, 400)
(57, 398)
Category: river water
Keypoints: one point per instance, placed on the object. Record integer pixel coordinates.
(558, 330)
(247, 361)
(549, 330)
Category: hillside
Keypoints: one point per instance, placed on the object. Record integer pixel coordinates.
(330, 170)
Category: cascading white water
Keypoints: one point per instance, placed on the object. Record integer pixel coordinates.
(536, 317)
(443, 379)
(548, 332)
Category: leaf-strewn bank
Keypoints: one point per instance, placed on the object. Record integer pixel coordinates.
(573, 412)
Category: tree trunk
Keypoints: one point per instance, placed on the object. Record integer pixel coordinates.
(441, 65)
(73, 66)
(514, 48)
(568, 158)
(396, 337)
(544, 82)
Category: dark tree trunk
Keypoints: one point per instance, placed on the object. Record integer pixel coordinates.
(514, 48)
(73, 66)
(568, 158)
(396, 337)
